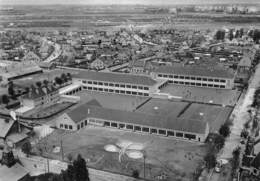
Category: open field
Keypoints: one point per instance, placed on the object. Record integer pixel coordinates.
(205, 95)
(182, 157)
(113, 101)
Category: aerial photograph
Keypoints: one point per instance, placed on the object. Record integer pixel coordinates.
(129, 90)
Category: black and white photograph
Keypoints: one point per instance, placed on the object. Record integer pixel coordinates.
(129, 90)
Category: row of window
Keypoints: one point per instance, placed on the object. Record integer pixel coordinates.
(116, 91)
(65, 126)
(197, 84)
(115, 85)
(150, 130)
(191, 78)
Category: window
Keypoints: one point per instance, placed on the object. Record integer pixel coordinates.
(111, 85)
(222, 80)
(170, 133)
(107, 123)
(70, 127)
(82, 125)
(78, 127)
(176, 76)
(165, 76)
(144, 129)
(116, 85)
(192, 83)
(128, 92)
(100, 89)
(179, 134)
(86, 122)
(129, 127)
(95, 89)
(145, 94)
(106, 84)
(122, 85)
(106, 90)
(198, 78)
(222, 86)
(181, 82)
(117, 91)
(84, 82)
(210, 85)
(198, 84)
(171, 76)
(140, 87)
(121, 126)
(176, 82)
(66, 126)
(140, 93)
(111, 90)
(114, 125)
(100, 83)
(159, 75)
(95, 83)
(216, 80)
(204, 85)
(190, 136)
(187, 83)
(170, 81)
(188, 78)
(181, 77)
(217, 86)
(211, 80)
(163, 132)
(137, 128)
(204, 79)
(134, 87)
(128, 86)
(146, 88)
(134, 93)
(154, 131)
(89, 82)
(61, 125)
(122, 92)
(192, 78)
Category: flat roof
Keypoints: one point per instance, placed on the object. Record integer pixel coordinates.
(116, 77)
(196, 71)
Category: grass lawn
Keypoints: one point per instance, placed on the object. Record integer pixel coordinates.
(177, 159)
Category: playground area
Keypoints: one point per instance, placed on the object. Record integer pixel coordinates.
(101, 148)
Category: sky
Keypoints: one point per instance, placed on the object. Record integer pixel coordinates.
(159, 2)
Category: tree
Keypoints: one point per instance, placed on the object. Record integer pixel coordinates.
(5, 99)
(135, 174)
(210, 160)
(39, 84)
(45, 82)
(26, 148)
(224, 130)
(58, 80)
(219, 142)
(11, 90)
(69, 157)
(64, 77)
(69, 76)
(80, 169)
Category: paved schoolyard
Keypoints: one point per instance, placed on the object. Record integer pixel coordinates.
(206, 95)
(182, 156)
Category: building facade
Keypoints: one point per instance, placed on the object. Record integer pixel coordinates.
(116, 83)
(193, 76)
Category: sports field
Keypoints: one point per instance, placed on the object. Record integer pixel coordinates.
(182, 157)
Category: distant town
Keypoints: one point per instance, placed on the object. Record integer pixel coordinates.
(126, 93)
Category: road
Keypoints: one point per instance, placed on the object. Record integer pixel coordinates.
(241, 116)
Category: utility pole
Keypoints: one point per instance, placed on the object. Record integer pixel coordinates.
(61, 147)
(144, 165)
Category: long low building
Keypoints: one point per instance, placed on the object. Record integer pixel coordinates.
(118, 83)
(93, 114)
(196, 76)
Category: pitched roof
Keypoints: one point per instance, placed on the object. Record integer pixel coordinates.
(5, 126)
(159, 121)
(196, 71)
(116, 77)
(16, 172)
